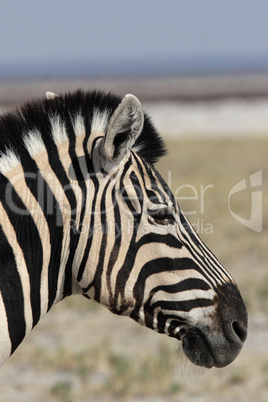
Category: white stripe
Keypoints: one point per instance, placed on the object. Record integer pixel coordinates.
(80, 132)
(9, 161)
(58, 130)
(99, 121)
(79, 126)
(34, 143)
(185, 295)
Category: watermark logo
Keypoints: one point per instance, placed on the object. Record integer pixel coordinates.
(196, 199)
(52, 198)
(255, 220)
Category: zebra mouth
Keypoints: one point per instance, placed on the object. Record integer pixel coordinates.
(197, 348)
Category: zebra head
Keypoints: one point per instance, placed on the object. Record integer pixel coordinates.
(83, 210)
(149, 262)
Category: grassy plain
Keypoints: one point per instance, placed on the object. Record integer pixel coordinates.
(81, 352)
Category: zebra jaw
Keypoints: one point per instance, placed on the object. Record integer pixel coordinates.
(212, 336)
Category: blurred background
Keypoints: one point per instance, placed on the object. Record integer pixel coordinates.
(201, 72)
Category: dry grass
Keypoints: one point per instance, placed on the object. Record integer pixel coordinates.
(221, 164)
(80, 352)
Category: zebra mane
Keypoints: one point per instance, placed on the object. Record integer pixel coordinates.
(37, 115)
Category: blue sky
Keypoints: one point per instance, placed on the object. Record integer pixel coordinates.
(61, 36)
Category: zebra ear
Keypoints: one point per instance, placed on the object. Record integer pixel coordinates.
(124, 128)
(51, 95)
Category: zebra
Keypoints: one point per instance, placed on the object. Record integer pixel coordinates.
(84, 211)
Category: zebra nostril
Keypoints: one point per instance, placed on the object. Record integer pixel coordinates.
(240, 331)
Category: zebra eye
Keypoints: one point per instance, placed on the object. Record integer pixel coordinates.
(161, 216)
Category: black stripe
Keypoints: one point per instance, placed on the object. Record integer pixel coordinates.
(154, 183)
(176, 320)
(200, 254)
(115, 249)
(184, 285)
(124, 193)
(157, 266)
(185, 305)
(176, 306)
(95, 182)
(29, 240)
(167, 239)
(11, 290)
(98, 273)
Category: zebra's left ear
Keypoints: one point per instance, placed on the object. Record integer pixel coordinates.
(124, 128)
(51, 95)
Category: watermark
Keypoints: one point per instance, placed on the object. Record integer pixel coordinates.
(196, 198)
(128, 227)
(54, 198)
(254, 222)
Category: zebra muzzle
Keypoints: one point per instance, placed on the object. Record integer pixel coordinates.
(216, 347)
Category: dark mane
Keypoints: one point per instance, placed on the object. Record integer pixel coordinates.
(35, 116)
